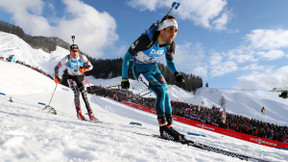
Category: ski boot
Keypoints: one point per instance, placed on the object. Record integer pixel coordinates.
(92, 118)
(167, 133)
(80, 115)
(170, 126)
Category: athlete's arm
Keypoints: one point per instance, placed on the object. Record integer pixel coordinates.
(169, 58)
(62, 62)
(87, 64)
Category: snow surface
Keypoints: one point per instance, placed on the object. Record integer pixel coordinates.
(29, 134)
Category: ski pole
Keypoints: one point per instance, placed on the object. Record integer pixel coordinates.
(52, 94)
(145, 94)
(48, 106)
(89, 84)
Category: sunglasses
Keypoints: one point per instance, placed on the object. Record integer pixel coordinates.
(75, 50)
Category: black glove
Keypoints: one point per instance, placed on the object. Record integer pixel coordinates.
(179, 78)
(86, 66)
(125, 83)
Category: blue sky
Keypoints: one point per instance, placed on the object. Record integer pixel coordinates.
(238, 44)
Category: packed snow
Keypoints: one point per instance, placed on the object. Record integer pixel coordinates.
(29, 134)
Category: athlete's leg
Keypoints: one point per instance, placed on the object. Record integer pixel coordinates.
(167, 104)
(83, 90)
(154, 85)
(168, 108)
(73, 86)
(159, 90)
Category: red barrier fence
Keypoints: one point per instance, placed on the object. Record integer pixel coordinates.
(242, 136)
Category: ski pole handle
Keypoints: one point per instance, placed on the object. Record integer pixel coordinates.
(174, 4)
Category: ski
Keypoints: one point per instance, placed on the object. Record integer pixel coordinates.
(208, 148)
(96, 122)
(91, 121)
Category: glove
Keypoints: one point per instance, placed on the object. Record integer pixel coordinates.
(125, 83)
(57, 80)
(179, 78)
(82, 70)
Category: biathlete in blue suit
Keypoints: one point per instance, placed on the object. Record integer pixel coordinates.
(145, 51)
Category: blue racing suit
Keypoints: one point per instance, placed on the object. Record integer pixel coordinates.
(145, 68)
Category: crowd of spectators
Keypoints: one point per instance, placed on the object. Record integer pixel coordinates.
(233, 122)
(212, 116)
(11, 58)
